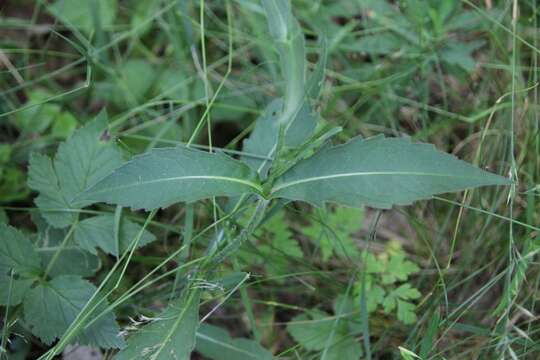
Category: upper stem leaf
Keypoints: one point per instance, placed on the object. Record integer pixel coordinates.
(379, 172)
(162, 177)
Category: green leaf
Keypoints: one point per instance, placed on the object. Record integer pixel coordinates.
(135, 80)
(169, 336)
(80, 162)
(64, 125)
(19, 287)
(374, 296)
(405, 312)
(313, 331)
(398, 269)
(379, 172)
(72, 260)
(215, 343)
(82, 14)
(460, 54)
(162, 177)
(263, 139)
(51, 307)
(17, 252)
(345, 348)
(42, 177)
(98, 231)
(399, 297)
(40, 113)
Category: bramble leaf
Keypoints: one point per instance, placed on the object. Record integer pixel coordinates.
(379, 172)
(80, 162)
(51, 307)
(162, 177)
(17, 252)
(98, 231)
(72, 260)
(19, 287)
(312, 333)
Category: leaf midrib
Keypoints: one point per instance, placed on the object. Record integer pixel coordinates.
(370, 173)
(253, 185)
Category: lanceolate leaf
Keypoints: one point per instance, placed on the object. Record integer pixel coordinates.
(82, 160)
(379, 172)
(166, 176)
(51, 307)
(169, 336)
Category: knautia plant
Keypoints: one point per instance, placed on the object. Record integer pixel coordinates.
(288, 157)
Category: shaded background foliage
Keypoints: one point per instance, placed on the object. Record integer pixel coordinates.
(443, 280)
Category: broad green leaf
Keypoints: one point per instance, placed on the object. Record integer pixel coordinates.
(82, 14)
(313, 331)
(51, 307)
(17, 252)
(40, 114)
(19, 287)
(80, 162)
(98, 231)
(215, 343)
(379, 172)
(51, 201)
(162, 177)
(169, 336)
(173, 84)
(72, 260)
(136, 77)
(344, 348)
(64, 125)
